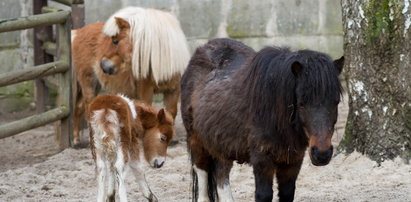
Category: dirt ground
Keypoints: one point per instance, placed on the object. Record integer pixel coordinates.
(32, 169)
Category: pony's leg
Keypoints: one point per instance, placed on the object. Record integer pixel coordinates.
(89, 90)
(78, 112)
(201, 161)
(145, 90)
(120, 174)
(101, 178)
(286, 177)
(141, 180)
(223, 181)
(263, 173)
(171, 100)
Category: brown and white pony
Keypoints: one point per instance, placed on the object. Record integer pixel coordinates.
(118, 127)
(137, 52)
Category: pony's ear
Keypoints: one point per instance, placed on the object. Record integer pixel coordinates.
(164, 117)
(296, 68)
(121, 23)
(339, 64)
(146, 116)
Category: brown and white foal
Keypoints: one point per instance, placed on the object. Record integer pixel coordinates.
(118, 125)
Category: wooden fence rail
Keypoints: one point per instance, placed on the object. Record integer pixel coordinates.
(34, 121)
(33, 73)
(33, 21)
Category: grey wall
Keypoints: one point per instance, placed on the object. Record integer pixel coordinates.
(313, 24)
(16, 52)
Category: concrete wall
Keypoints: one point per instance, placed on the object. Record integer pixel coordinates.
(313, 24)
(16, 52)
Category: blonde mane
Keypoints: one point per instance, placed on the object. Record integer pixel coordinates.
(159, 44)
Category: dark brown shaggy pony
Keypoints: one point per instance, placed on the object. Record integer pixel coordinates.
(261, 108)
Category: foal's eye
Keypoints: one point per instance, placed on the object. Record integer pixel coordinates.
(163, 138)
(115, 42)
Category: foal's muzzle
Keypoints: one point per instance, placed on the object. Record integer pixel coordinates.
(321, 158)
(107, 66)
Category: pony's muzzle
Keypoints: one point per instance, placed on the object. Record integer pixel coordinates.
(107, 66)
(321, 158)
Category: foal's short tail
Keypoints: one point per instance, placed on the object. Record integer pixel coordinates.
(106, 128)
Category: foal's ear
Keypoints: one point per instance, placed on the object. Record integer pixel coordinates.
(339, 64)
(296, 68)
(122, 24)
(146, 115)
(164, 117)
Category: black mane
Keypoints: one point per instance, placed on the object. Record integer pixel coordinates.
(271, 85)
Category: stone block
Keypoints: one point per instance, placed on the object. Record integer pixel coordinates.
(9, 9)
(17, 96)
(166, 5)
(249, 18)
(200, 18)
(296, 17)
(332, 17)
(100, 11)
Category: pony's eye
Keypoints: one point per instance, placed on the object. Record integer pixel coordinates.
(163, 138)
(115, 42)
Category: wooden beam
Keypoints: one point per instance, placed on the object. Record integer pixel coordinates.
(33, 72)
(40, 57)
(50, 48)
(64, 131)
(34, 121)
(77, 15)
(69, 2)
(33, 21)
(46, 9)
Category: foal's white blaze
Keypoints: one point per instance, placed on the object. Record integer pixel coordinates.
(224, 192)
(160, 159)
(202, 184)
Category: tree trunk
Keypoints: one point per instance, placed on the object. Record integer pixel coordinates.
(378, 70)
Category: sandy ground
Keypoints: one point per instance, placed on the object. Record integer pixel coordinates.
(32, 169)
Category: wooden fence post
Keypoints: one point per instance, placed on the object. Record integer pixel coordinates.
(65, 88)
(41, 34)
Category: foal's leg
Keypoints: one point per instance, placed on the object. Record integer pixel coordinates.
(120, 174)
(286, 177)
(111, 184)
(223, 180)
(101, 178)
(263, 173)
(141, 180)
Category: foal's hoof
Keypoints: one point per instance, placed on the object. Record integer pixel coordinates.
(152, 198)
(80, 145)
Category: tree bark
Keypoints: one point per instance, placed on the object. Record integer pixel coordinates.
(378, 70)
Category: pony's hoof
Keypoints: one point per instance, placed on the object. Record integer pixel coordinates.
(152, 198)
